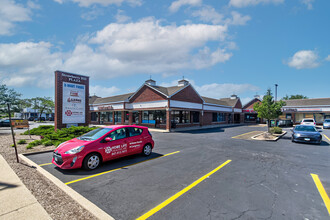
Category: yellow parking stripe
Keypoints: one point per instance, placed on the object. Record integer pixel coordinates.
(109, 171)
(326, 137)
(322, 192)
(177, 195)
(244, 134)
(45, 164)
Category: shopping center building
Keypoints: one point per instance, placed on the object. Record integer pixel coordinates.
(165, 108)
(297, 109)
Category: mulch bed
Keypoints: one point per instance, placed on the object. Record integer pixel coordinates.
(57, 203)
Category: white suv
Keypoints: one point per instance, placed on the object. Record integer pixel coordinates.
(308, 121)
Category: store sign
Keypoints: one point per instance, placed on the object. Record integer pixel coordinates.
(20, 123)
(249, 111)
(302, 109)
(73, 103)
(71, 100)
(105, 107)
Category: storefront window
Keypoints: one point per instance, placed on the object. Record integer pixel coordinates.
(94, 116)
(180, 117)
(195, 117)
(218, 117)
(106, 117)
(136, 117)
(319, 118)
(153, 117)
(117, 117)
(299, 117)
(250, 117)
(289, 116)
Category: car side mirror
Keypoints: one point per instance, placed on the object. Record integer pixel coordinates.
(108, 139)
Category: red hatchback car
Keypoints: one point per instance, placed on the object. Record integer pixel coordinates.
(103, 144)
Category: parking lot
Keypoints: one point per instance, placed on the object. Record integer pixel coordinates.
(249, 179)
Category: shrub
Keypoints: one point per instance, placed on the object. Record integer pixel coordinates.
(33, 144)
(48, 143)
(22, 141)
(276, 130)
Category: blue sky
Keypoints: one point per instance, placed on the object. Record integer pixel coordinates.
(221, 46)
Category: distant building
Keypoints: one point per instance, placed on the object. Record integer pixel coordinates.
(33, 113)
(297, 109)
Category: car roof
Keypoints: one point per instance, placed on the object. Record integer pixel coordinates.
(123, 126)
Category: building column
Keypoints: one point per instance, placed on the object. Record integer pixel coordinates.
(168, 120)
(140, 117)
(130, 118)
(99, 117)
(201, 116)
(113, 117)
(122, 117)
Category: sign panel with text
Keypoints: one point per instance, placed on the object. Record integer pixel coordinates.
(71, 100)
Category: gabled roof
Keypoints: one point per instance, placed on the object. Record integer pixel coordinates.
(168, 90)
(307, 102)
(250, 102)
(112, 99)
(215, 101)
(93, 98)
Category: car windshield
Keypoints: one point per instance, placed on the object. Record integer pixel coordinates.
(327, 120)
(95, 134)
(305, 128)
(308, 120)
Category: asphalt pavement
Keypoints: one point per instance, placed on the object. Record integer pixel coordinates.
(265, 180)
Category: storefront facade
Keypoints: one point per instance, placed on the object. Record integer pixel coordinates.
(296, 110)
(164, 107)
(251, 116)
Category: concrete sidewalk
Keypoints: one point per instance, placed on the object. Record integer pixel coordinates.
(16, 201)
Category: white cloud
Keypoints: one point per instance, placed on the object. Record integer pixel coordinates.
(28, 63)
(142, 47)
(308, 3)
(245, 3)
(209, 14)
(176, 5)
(103, 91)
(121, 17)
(216, 90)
(238, 19)
(327, 58)
(88, 3)
(12, 12)
(92, 14)
(304, 59)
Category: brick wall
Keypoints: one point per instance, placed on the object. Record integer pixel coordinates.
(147, 94)
(187, 95)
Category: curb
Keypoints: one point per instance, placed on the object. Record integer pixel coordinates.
(88, 205)
(278, 137)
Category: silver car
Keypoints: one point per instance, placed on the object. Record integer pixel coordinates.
(326, 123)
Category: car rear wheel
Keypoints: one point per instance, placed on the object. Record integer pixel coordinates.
(92, 161)
(147, 149)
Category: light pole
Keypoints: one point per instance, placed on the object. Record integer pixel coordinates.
(276, 92)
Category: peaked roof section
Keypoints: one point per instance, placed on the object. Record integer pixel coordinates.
(167, 90)
(214, 101)
(250, 102)
(117, 98)
(307, 102)
(93, 98)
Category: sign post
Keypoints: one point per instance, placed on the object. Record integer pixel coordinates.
(71, 100)
(12, 132)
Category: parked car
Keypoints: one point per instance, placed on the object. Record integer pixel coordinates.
(326, 123)
(308, 121)
(31, 118)
(285, 123)
(4, 123)
(103, 144)
(306, 134)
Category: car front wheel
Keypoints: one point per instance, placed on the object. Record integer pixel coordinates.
(147, 149)
(91, 161)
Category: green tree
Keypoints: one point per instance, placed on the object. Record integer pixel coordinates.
(9, 96)
(268, 108)
(295, 97)
(45, 104)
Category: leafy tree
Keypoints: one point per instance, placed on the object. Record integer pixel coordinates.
(9, 96)
(295, 97)
(45, 104)
(268, 108)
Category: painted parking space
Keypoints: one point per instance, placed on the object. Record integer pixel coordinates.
(322, 191)
(264, 179)
(248, 135)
